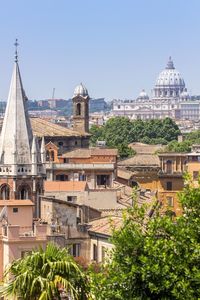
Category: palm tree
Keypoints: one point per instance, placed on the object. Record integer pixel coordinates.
(45, 275)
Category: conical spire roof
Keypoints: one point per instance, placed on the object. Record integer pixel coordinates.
(16, 135)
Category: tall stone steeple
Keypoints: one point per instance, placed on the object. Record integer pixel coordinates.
(16, 136)
(21, 168)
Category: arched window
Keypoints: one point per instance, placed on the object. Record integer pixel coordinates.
(169, 166)
(78, 109)
(5, 192)
(24, 192)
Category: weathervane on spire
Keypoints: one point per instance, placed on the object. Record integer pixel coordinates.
(16, 52)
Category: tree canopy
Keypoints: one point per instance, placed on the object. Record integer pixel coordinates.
(45, 275)
(119, 132)
(186, 145)
(154, 258)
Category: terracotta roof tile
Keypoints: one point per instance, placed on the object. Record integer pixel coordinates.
(55, 186)
(104, 225)
(42, 127)
(142, 148)
(87, 153)
(141, 160)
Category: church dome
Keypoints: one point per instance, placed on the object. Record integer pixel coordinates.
(80, 90)
(170, 77)
(143, 95)
(170, 83)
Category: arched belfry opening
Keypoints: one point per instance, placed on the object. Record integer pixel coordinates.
(78, 109)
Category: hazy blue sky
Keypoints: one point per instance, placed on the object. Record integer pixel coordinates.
(115, 47)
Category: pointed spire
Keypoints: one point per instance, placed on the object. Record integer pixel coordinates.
(34, 148)
(16, 134)
(43, 151)
(34, 156)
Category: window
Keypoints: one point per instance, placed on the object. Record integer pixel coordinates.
(78, 109)
(15, 209)
(169, 167)
(62, 177)
(25, 253)
(72, 198)
(24, 193)
(103, 180)
(76, 250)
(66, 160)
(60, 143)
(94, 252)
(5, 192)
(169, 186)
(170, 201)
(195, 175)
(118, 106)
(82, 177)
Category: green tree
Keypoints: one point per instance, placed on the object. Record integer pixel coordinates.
(96, 134)
(154, 258)
(175, 146)
(119, 132)
(44, 275)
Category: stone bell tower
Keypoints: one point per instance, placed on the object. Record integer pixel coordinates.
(22, 167)
(81, 109)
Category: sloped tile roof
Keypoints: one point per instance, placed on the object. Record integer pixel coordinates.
(104, 225)
(141, 160)
(42, 127)
(87, 153)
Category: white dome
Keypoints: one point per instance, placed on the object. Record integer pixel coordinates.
(170, 77)
(143, 95)
(80, 90)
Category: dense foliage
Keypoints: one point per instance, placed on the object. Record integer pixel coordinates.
(185, 146)
(119, 132)
(44, 275)
(157, 258)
